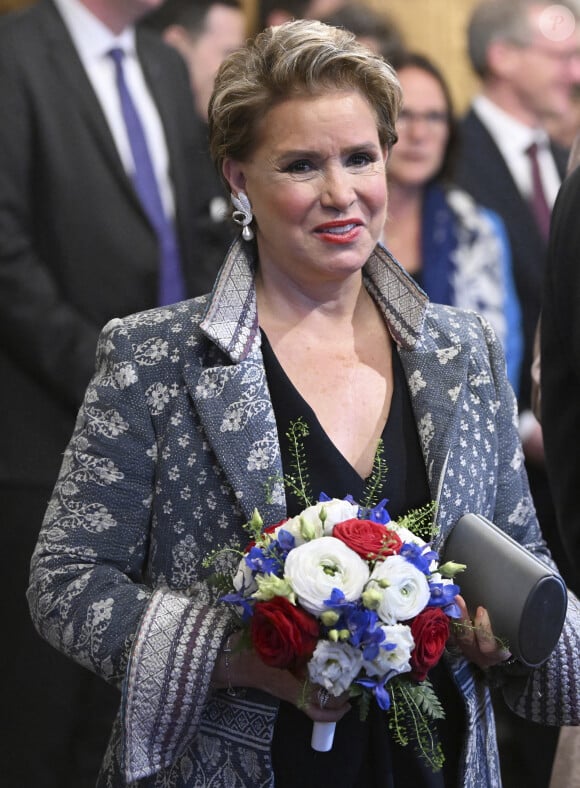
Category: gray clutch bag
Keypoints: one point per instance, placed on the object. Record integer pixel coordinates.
(525, 599)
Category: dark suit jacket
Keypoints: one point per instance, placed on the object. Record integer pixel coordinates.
(482, 171)
(75, 245)
(561, 364)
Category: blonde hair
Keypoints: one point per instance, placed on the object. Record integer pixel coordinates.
(302, 57)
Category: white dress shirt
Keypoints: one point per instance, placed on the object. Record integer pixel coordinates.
(513, 138)
(93, 40)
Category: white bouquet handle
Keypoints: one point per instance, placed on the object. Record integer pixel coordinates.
(322, 736)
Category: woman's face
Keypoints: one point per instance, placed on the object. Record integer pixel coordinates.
(316, 182)
(423, 129)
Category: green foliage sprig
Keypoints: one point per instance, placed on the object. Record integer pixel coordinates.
(414, 708)
(376, 480)
(297, 480)
(421, 521)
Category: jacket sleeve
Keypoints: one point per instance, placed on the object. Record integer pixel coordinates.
(547, 695)
(91, 590)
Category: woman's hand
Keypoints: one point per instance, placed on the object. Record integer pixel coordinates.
(242, 667)
(476, 639)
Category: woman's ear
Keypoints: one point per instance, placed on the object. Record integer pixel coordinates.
(233, 172)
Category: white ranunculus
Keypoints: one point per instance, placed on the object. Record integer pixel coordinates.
(302, 531)
(407, 536)
(405, 590)
(334, 666)
(397, 659)
(313, 569)
(309, 525)
(336, 511)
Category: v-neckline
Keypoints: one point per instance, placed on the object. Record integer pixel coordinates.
(310, 415)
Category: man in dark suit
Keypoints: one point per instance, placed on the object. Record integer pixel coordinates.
(77, 247)
(526, 53)
(560, 398)
(560, 381)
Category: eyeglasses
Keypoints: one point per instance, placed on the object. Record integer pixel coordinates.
(563, 56)
(433, 120)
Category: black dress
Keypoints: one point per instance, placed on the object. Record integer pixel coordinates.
(363, 754)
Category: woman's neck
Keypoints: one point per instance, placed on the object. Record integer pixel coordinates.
(324, 307)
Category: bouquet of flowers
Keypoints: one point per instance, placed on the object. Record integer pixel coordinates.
(356, 602)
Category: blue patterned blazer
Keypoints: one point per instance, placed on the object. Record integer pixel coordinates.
(173, 448)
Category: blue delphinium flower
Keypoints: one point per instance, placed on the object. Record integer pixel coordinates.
(443, 596)
(420, 557)
(378, 513)
(261, 561)
(362, 624)
(269, 559)
(378, 687)
(240, 600)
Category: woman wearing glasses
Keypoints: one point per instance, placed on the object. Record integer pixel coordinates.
(455, 249)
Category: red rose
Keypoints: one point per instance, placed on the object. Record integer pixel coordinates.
(430, 630)
(283, 635)
(369, 539)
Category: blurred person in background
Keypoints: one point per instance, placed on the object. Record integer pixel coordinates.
(564, 128)
(375, 30)
(318, 9)
(457, 250)
(86, 234)
(204, 32)
(276, 12)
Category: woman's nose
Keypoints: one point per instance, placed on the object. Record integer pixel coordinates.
(338, 190)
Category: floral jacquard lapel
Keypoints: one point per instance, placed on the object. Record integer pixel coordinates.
(234, 401)
(230, 392)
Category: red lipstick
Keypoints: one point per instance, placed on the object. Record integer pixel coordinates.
(340, 231)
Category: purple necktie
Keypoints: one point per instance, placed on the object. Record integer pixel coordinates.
(171, 283)
(538, 202)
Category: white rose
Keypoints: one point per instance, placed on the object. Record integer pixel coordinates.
(405, 590)
(309, 525)
(313, 569)
(397, 659)
(334, 666)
